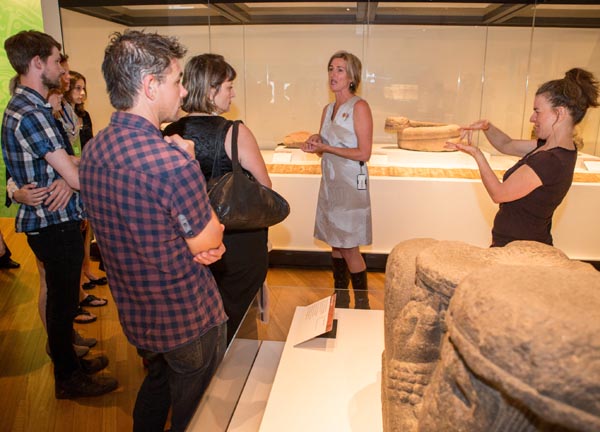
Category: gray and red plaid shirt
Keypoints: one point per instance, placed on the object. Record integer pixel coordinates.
(143, 197)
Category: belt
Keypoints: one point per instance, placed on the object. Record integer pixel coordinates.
(60, 227)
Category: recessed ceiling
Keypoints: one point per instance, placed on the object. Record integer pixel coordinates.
(154, 13)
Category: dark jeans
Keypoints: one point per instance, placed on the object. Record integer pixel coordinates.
(60, 248)
(177, 378)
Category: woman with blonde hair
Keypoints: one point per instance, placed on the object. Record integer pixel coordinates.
(344, 143)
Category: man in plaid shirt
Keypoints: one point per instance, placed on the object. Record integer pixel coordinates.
(146, 199)
(35, 153)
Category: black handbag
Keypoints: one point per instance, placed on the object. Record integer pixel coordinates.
(240, 202)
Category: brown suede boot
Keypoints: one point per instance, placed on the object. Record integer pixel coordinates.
(341, 280)
(361, 295)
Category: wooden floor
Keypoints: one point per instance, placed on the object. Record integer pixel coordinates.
(26, 381)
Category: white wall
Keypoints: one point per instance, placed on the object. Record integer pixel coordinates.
(438, 73)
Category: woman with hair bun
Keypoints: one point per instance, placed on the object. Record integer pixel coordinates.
(534, 187)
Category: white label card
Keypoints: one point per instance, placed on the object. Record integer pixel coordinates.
(593, 166)
(282, 157)
(315, 319)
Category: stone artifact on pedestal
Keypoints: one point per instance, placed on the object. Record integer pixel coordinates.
(499, 339)
(422, 135)
(296, 139)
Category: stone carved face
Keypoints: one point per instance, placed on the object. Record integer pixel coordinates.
(457, 400)
(417, 333)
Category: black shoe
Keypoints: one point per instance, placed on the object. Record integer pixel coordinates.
(342, 299)
(88, 285)
(99, 281)
(81, 385)
(361, 300)
(83, 341)
(94, 365)
(80, 350)
(9, 264)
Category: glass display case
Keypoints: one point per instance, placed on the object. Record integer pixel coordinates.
(451, 62)
(446, 62)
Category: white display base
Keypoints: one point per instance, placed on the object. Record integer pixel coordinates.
(457, 209)
(330, 384)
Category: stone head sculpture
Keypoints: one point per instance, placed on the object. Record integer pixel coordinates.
(421, 280)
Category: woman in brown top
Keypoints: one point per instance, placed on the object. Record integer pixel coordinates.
(534, 187)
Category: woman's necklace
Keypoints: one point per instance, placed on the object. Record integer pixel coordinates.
(199, 114)
(338, 104)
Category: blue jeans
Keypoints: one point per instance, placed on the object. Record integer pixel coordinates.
(177, 378)
(60, 248)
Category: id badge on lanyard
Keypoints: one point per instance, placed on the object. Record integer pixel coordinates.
(361, 178)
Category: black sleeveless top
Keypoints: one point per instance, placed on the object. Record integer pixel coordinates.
(208, 133)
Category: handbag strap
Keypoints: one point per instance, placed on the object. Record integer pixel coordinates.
(220, 143)
(234, 147)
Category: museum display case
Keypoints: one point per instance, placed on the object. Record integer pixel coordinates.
(450, 62)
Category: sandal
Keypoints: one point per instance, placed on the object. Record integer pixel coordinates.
(98, 281)
(84, 317)
(93, 301)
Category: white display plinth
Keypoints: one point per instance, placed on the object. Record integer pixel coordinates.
(330, 384)
(430, 195)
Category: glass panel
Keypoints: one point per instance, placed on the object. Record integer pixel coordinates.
(425, 73)
(286, 75)
(553, 52)
(445, 62)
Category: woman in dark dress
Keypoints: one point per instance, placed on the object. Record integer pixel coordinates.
(76, 96)
(535, 186)
(240, 273)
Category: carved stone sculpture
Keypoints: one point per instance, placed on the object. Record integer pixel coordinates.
(511, 358)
